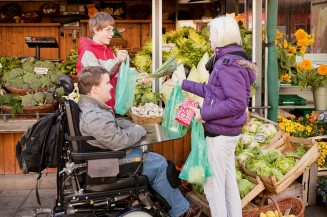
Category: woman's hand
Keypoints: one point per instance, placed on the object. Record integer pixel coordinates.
(143, 77)
(197, 112)
(121, 55)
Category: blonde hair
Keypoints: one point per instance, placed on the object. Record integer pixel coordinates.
(100, 21)
(223, 31)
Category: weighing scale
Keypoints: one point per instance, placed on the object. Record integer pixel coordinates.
(41, 42)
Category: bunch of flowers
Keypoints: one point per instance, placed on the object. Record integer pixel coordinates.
(323, 151)
(311, 76)
(288, 50)
(307, 126)
(322, 188)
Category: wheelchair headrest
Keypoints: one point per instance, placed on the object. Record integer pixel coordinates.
(66, 83)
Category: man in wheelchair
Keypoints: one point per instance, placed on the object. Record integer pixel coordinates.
(98, 120)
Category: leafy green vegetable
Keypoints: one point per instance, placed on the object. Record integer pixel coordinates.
(244, 187)
(12, 100)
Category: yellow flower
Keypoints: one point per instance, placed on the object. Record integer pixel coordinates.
(279, 35)
(300, 34)
(306, 64)
(292, 49)
(309, 42)
(303, 50)
(322, 69)
(285, 44)
(301, 43)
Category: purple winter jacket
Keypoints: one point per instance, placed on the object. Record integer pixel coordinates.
(226, 96)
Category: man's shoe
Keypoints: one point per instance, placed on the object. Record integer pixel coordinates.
(193, 211)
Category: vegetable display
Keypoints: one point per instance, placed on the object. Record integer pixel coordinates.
(166, 68)
(27, 78)
(147, 110)
(69, 67)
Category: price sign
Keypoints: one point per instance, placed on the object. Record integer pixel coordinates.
(0, 65)
(259, 137)
(168, 47)
(41, 71)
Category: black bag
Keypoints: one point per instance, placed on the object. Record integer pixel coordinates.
(38, 147)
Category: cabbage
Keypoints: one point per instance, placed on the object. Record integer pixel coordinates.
(143, 62)
(268, 129)
(201, 67)
(284, 164)
(239, 175)
(166, 89)
(179, 73)
(196, 175)
(193, 76)
(244, 187)
(250, 127)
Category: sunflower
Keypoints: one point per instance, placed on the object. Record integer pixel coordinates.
(322, 69)
(300, 34)
(306, 64)
(292, 49)
(285, 44)
(279, 35)
(303, 50)
(309, 42)
(301, 43)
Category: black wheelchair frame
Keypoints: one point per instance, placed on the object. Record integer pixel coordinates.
(128, 194)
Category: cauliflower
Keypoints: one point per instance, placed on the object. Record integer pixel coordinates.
(29, 77)
(28, 101)
(15, 73)
(45, 81)
(28, 69)
(49, 98)
(16, 83)
(36, 84)
(39, 98)
(196, 175)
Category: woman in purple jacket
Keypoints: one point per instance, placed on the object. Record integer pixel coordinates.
(226, 97)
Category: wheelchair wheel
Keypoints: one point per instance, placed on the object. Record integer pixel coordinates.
(139, 212)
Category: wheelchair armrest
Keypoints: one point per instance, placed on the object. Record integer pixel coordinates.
(81, 156)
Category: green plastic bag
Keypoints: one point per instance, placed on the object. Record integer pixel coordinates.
(170, 111)
(125, 88)
(197, 167)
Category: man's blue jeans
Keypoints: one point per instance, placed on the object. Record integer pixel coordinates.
(154, 167)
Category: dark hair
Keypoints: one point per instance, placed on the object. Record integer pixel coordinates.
(100, 21)
(90, 76)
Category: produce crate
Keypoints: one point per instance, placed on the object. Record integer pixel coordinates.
(322, 171)
(290, 144)
(292, 100)
(294, 190)
(277, 139)
(199, 200)
(202, 200)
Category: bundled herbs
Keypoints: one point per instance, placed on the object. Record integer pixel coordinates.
(12, 100)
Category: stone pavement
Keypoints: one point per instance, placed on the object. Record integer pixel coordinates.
(17, 196)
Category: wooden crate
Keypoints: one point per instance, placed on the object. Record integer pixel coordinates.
(322, 171)
(290, 144)
(294, 190)
(199, 200)
(259, 187)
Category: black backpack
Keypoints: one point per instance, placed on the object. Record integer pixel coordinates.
(38, 147)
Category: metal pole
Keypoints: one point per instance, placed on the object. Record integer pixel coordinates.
(156, 41)
(266, 63)
(257, 48)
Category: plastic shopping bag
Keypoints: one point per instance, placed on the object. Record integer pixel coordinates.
(197, 168)
(170, 111)
(125, 89)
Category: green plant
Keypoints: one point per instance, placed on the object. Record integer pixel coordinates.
(288, 50)
(312, 76)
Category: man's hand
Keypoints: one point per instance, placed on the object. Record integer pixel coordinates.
(121, 55)
(197, 112)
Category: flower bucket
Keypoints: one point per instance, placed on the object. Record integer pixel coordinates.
(320, 98)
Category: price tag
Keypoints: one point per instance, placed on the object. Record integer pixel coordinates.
(41, 71)
(0, 65)
(168, 47)
(259, 137)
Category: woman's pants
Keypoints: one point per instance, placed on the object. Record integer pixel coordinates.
(221, 189)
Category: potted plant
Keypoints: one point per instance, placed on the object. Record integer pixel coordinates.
(288, 50)
(316, 77)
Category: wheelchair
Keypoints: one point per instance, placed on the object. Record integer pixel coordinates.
(80, 192)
